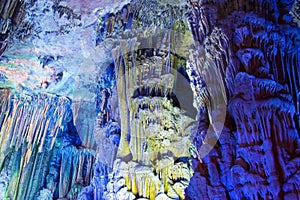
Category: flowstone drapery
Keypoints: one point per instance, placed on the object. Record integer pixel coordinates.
(153, 160)
(149, 99)
(255, 47)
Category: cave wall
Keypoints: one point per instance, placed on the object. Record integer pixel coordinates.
(12, 13)
(41, 156)
(244, 71)
(139, 137)
(253, 48)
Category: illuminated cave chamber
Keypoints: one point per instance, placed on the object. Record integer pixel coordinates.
(153, 160)
(149, 99)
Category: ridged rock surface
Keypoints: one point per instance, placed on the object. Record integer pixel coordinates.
(40, 148)
(195, 99)
(253, 47)
(12, 13)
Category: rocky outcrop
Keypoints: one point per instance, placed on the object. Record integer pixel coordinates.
(253, 50)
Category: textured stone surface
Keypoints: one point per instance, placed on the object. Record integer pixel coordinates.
(195, 99)
(40, 148)
(11, 16)
(53, 48)
(154, 153)
(255, 47)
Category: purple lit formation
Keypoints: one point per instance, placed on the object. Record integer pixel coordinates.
(149, 99)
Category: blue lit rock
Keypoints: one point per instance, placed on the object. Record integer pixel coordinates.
(39, 144)
(255, 51)
(149, 99)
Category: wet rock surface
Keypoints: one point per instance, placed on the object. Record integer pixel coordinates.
(12, 13)
(41, 156)
(195, 99)
(255, 49)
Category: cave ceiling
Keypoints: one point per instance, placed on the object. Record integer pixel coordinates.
(56, 37)
(149, 99)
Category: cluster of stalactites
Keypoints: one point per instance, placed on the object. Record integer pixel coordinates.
(140, 16)
(252, 49)
(154, 153)
(30, 122)
(11, 15)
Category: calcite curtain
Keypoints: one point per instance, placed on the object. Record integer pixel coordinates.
(149, 99)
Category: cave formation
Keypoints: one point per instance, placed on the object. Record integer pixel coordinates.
(149, 99)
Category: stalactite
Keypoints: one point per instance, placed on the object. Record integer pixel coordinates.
(258, 66)
(11, 16)
(243, 69)
(33, 126)
(156, 128)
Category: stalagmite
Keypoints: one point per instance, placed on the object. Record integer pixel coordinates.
(157, 132)
(149, 99)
